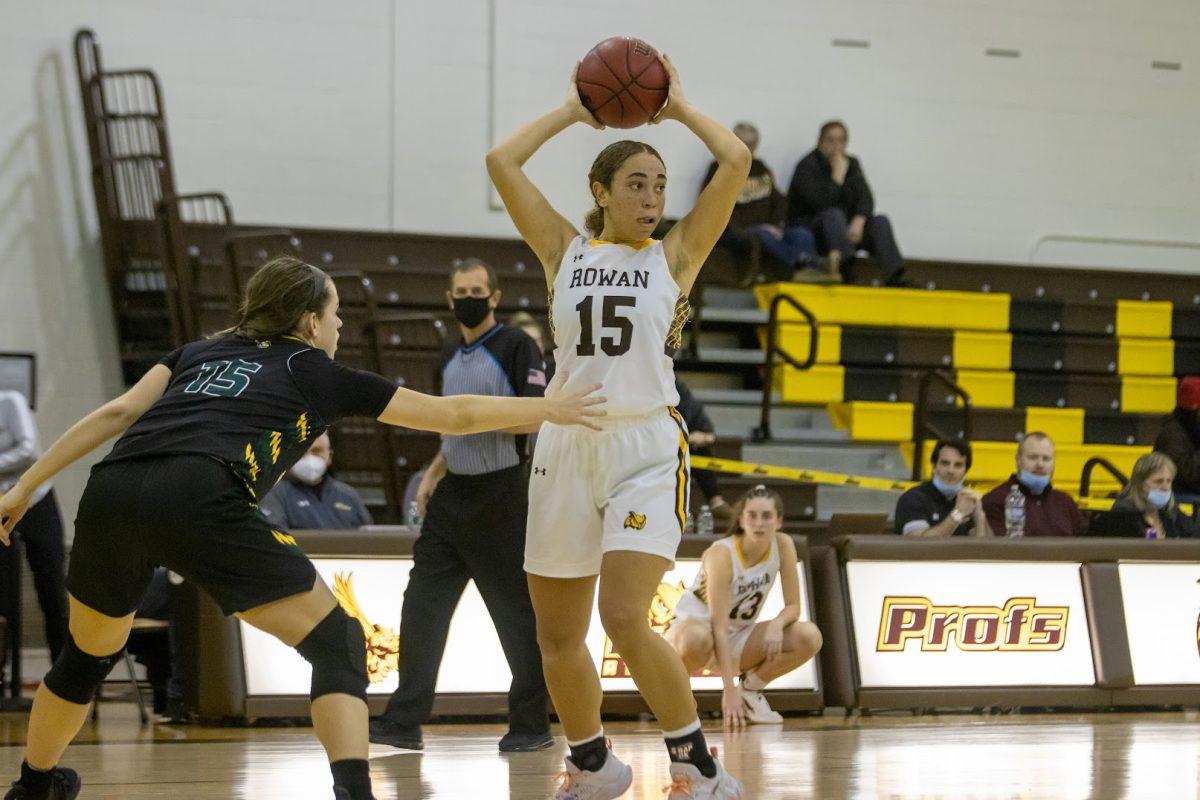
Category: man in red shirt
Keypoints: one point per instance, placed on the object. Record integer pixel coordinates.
(1048, 512)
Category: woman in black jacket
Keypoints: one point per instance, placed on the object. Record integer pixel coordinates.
(1147, 505)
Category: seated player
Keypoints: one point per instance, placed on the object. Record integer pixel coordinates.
(715, 623)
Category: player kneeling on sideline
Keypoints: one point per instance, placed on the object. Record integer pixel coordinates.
(715, 624)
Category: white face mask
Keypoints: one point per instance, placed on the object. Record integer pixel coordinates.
(310, 469)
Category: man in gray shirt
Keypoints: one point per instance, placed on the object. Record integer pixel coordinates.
(41, 528)
(475, 499)
(307, 497)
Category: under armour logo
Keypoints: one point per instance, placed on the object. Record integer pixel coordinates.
(539, 470)
(578, 257)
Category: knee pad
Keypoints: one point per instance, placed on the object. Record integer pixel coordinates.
(76, 674)
(337, 650)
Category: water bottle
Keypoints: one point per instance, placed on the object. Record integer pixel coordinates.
(414, 514)
(1014, 512)
(690, 525)
(704, 526)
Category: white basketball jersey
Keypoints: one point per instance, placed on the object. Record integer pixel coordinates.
(748, 589)
(616, 315)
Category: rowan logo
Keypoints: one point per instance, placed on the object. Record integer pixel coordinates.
(660, 615)
(635, 520)
(383, 644)
(1021, 625)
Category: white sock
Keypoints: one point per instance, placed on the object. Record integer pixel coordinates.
(753, 683)
(686, 730)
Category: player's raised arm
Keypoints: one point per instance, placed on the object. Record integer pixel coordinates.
(688, 244)
(543, 229)
(107, 421)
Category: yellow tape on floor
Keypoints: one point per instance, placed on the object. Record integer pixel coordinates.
(837, 479)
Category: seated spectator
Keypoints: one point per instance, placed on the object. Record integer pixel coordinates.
(528, 323)
(158, 653)
(829, 195)
(1180, 437)
(308, 497)
(943, 506)
(1048, 512)
(757, 222)
(701, 438)
(1146, 506)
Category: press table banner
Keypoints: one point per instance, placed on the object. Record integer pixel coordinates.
(372, 590)
(954, 623)
(1162, 618)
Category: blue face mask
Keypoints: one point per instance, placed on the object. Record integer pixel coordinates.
(1159, 497)
(948, 489)
(1034, 483)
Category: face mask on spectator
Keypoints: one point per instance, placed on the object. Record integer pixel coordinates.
(471, 311)
(948, 489)
(310, 469)
(1034, 483)
(1159, 497)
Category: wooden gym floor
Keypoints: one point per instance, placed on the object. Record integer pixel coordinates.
(961, 757)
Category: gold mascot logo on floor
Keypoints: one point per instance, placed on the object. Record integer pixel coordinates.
(383, 644)
(1020, 625)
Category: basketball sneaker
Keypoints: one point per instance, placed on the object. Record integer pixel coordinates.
(607, 783)
(689, 783)
(64, 785)
(758, 710)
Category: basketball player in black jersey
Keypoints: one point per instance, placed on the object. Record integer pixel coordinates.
(203, 435)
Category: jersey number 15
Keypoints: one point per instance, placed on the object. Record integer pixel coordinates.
(223, 378)
(611, 319)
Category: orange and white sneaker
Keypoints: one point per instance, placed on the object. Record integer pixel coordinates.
(688, 783)
(758, 710)
(607, 783)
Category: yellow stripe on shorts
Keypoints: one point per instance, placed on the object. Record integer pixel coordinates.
(681, 472)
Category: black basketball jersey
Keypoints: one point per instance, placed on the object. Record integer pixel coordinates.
(254, 405)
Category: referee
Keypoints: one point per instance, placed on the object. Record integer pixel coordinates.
(475, 497)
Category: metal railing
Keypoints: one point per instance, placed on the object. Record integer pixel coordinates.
(1085, 479)
(921, 424)
(763, 432)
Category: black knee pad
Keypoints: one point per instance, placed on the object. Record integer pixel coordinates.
(337, 650)
(76, 674)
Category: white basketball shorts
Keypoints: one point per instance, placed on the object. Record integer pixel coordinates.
(593, 492)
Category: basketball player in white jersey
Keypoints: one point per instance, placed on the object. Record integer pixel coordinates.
(716, 623)
(612, 505)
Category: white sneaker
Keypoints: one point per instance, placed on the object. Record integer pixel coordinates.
(609, 782)
(688, 783)
(758, 710)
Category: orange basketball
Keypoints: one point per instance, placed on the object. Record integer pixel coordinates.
(622, 82)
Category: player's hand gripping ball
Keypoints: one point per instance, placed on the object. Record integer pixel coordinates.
(622, 82)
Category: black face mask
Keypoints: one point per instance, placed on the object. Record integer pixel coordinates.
(471, 311)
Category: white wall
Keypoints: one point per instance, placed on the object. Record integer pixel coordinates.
(376, 114)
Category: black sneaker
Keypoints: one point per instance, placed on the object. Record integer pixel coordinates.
(64, 785)
(406, 737)
(514, 742)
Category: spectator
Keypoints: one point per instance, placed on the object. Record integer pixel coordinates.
(829, 194)
(41, 529)
(701, 438)
(528, 323)
(757, 222)
(1146, 506)
(308, 497)
(1180, 437)
(158, 653)
(474, 501)
(943, 506)
(1048, 512)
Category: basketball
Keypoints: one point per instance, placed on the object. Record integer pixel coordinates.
(622, 82)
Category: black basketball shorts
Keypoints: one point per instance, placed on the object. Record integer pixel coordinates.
(190, 514)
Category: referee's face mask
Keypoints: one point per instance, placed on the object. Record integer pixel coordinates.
(472, 297)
